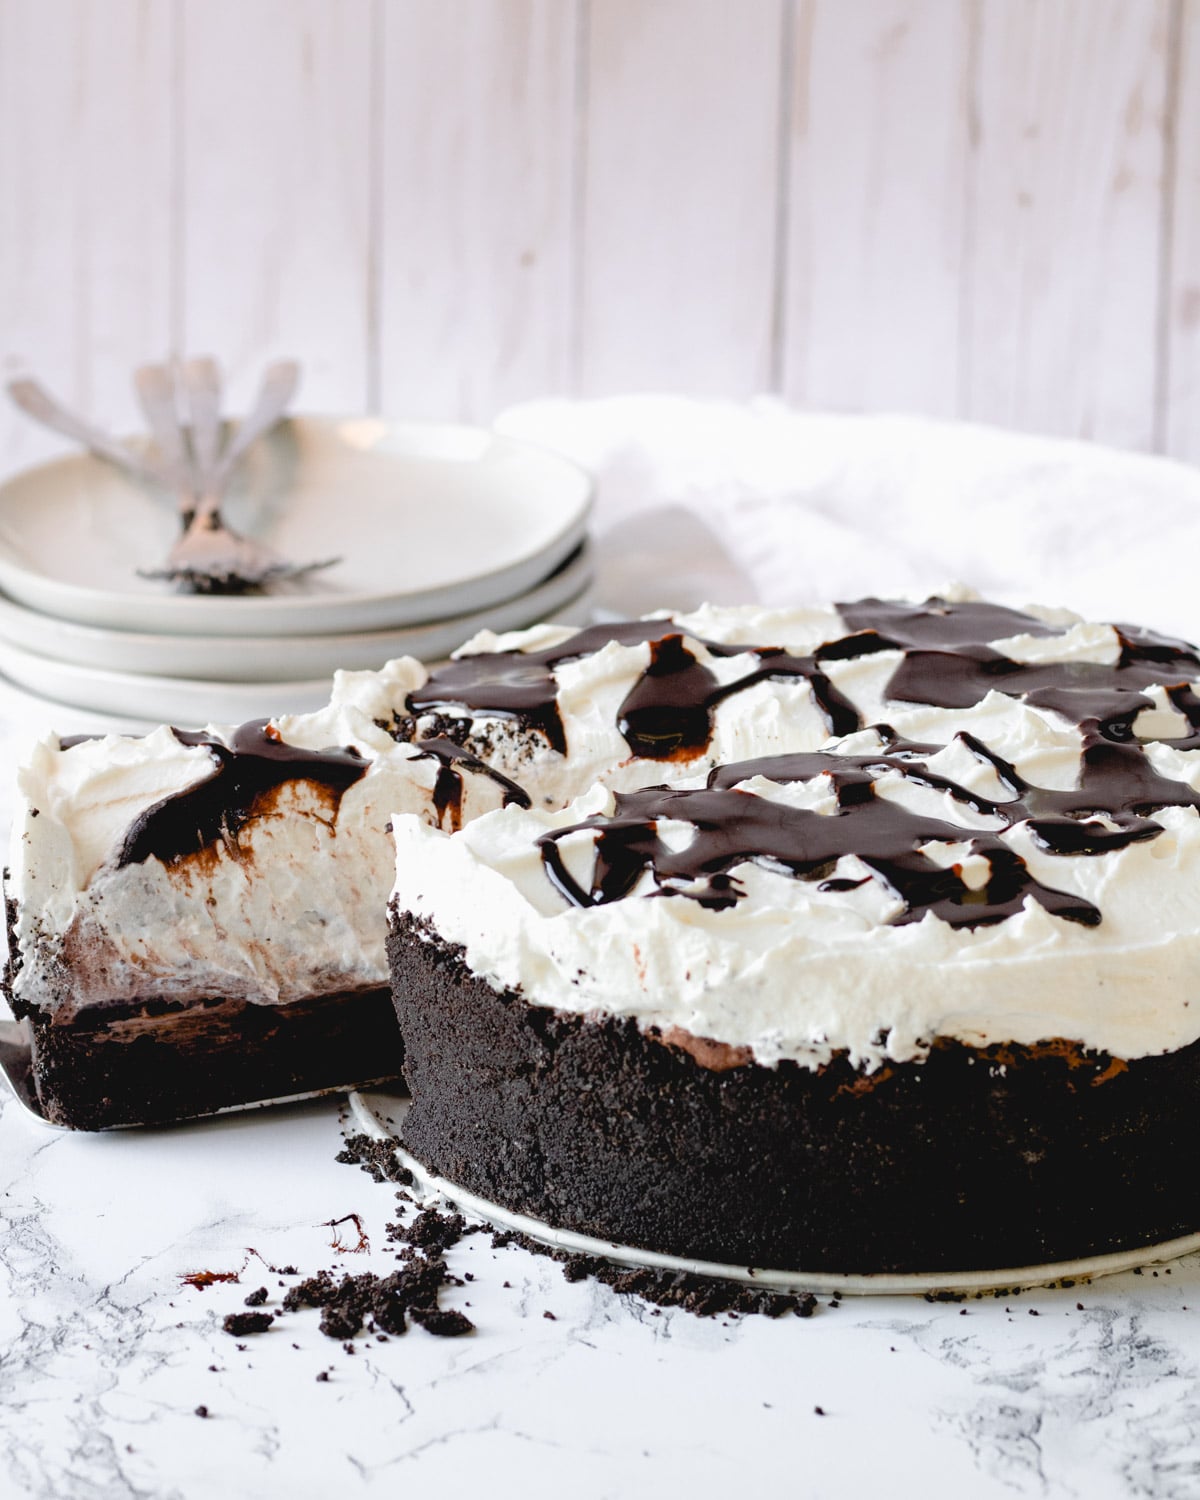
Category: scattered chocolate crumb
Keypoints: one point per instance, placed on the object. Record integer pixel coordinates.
(239, 1324)
(550, 1315)
(430, 1230)
(323, 1375)
(378, 1158)
(386, 1301)
(214, 1369)
(257, 1298)
(443, 1321)
(411, 1291)
(202, 1411)
(818, 1411)
(1079, 1307)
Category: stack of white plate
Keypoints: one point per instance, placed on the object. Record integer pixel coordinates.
(440, 531)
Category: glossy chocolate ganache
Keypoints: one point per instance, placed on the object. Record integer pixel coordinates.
(945, 661)
(254, 762)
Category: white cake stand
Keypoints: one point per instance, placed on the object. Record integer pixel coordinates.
(380, 1116)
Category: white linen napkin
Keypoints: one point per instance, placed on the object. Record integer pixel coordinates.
(736, 501)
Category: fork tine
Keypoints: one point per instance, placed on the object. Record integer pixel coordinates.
(155, 386)
(275, 391)
(202, 384)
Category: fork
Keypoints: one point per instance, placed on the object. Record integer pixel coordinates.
(211, 558)
(36, 401)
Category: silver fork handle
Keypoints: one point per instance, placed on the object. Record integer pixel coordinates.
(36, 401)
(202, 383)
(278, 386)
(155, 388)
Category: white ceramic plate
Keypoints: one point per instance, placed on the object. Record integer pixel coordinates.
(380, 1115)
(185, 701)
(429, 521)
(253, 658)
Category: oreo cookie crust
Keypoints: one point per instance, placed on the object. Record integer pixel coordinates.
(972, 1159)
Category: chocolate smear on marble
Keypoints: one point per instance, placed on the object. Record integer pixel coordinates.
(361, 1244)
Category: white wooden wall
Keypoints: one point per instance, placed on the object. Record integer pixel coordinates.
(981, 208)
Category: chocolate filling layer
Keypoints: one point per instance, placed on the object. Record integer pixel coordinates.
(164, 1061)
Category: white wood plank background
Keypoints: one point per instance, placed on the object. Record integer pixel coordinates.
(877, 204)
(477, 192)
(1180, 348)
(1066, 184)
(981, 208)
(679, 195)
(274, 238)
(86, 201)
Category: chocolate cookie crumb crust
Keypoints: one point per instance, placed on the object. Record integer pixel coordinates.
(974, 1159)
(157, 1062)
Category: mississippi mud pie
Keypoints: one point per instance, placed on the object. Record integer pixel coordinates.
(874, 948)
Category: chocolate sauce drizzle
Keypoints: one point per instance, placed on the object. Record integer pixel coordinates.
(448, 787)
(948, 663)
(667, 715)
(1107, 810)
(254, 762)
(733, 827)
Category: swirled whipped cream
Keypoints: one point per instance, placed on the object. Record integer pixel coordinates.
(1003, 848)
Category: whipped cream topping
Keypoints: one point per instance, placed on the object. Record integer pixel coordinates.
(286, 902)
(1068, 834)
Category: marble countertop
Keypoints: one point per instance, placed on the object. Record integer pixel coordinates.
(107, 1355)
